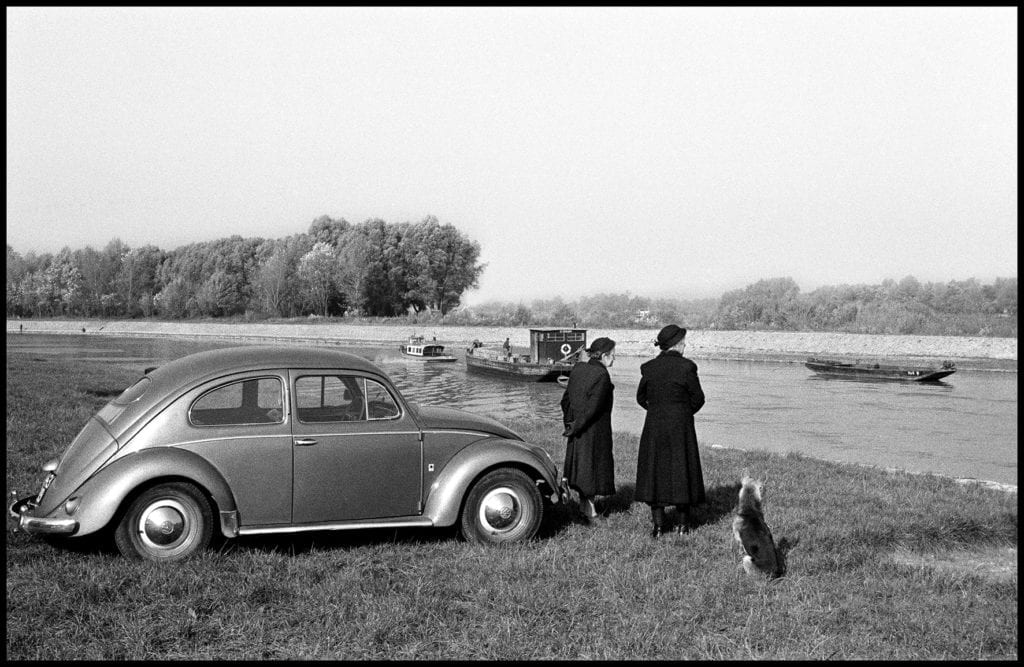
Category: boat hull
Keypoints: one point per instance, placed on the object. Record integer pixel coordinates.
(865, 371)
(517, 370)
(436, 359)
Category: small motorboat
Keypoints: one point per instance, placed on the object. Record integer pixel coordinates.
(876, 371)
(417, 348)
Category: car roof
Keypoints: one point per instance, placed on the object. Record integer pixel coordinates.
(256, 357)
(165, 384)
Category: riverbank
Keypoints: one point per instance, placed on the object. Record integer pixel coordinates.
(969, 352)
(888, 567)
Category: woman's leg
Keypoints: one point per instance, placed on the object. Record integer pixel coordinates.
(683, 524)
(658, 521)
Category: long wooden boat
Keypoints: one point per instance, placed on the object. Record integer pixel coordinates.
(553, 353)
(418, 349)
(875, 371)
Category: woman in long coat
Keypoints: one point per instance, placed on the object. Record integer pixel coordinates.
(668, 470)
(587, 416)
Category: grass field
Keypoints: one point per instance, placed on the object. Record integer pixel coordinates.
(889, 566)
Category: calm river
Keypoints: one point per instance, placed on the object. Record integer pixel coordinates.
(965, 426)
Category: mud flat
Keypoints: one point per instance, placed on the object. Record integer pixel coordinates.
(969, 352)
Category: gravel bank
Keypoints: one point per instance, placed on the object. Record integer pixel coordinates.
(967, 351)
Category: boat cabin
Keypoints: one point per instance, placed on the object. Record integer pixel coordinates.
(416, 347)
(553, 345)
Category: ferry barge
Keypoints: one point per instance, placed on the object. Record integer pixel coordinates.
(553, 353)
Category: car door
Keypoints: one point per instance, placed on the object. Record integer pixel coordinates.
(357, 454)
(238, 424)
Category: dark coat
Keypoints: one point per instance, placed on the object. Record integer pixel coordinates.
(668, 470)
(587, 416)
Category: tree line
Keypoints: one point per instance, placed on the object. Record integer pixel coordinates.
(964, 307)
(373, 268)
(419, 272)
(954, 308)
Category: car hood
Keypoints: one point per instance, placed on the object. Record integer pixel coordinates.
(434, 418)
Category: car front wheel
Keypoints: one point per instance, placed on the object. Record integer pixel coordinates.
(166, 523)
(504, 506)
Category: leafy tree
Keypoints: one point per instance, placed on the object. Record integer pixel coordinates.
(326, 230)
(275, 285)
(17, 270)
(174, 301)
(383, 293)
(220, 294)
(316, 273)
(446, 264)
(138, 279)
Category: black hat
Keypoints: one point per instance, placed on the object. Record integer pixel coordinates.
(601, 346)
(669, 336)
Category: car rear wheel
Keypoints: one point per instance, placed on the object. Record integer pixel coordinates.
(166, 523)
(504, 506)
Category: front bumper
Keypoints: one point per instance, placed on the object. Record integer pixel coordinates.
(39, 525)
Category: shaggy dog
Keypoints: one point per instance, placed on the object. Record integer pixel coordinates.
(763, 554)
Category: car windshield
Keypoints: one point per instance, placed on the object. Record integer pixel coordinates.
(133, 393)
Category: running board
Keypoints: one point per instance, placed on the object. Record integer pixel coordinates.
(347, 525)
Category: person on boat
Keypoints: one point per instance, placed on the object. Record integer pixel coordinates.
(507, 348)
(587, 417)
(668, 471)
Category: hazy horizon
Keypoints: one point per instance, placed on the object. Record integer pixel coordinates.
(658, 150)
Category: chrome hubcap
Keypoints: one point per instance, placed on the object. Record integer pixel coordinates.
(500, 510)
(163, 524)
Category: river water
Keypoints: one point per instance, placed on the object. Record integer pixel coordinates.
(965, 426)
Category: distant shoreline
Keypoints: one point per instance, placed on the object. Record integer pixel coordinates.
(969, 352)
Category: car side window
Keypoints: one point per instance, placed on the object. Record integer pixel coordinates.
(250, 401)
(334, 398)
(328, 398)
(380, 404)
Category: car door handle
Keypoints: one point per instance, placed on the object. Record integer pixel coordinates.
(304, 442)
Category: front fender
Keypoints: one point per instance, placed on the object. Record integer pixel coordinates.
(102, 494)
(444, 497)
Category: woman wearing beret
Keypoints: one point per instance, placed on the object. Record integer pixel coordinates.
(668, 471)
(587, 416)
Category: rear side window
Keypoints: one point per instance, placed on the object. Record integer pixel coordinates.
(111, 410)
(249, 401)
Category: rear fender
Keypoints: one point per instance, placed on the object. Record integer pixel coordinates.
(445, 495)
(103, 494)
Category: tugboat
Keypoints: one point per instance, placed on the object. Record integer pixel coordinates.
(553, 352)
(418, 349)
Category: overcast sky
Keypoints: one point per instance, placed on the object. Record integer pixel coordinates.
(658, 151)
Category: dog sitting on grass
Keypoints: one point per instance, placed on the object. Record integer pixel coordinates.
(763, 554)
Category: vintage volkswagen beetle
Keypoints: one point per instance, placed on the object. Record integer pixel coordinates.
(263, 440)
